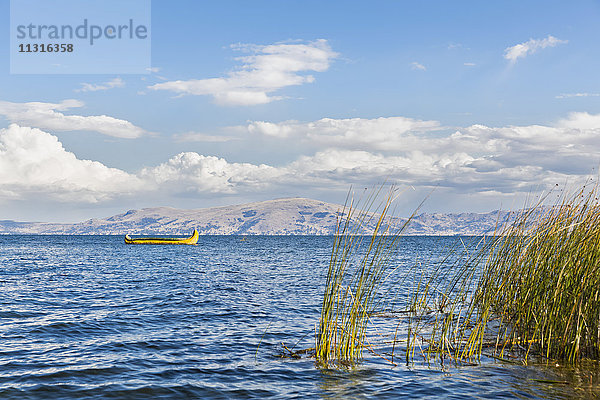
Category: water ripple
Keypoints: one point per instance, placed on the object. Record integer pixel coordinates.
(92, 318)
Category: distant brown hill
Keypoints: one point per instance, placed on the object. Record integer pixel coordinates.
(291, 216)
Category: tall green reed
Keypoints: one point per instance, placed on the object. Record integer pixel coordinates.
(532, 290)
(365, 242)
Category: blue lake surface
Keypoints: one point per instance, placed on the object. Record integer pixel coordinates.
(88, 317)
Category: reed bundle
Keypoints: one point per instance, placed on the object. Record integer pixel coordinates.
(533, 289)
(364, 248)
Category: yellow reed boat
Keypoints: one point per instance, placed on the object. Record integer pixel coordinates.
(191, 240)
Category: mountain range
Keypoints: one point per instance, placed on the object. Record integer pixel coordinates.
(289, 216)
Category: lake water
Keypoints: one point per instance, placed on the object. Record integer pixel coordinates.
(88, 317)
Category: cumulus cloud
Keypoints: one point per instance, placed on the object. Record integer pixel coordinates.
(417, 66)
(265, 70)
(49, 116)
(583, 123)
(34, 162)
(531, 46)
(90, 87)
(385, 133)
(474, 160)
(193, 172)
(196, 173)
(400, 134)
(424, 152)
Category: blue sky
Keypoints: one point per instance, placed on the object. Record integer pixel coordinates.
(484, 102)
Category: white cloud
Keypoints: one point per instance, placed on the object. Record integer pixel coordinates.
(266, 70)
(571, 95)
(420, 152)
(48, 116)
(379, 133)
(113, 83)
(475, 160)
(33, 162)
(531, 46)
(469, 64)
(193, 172)
(417, 66)
(400, 134)
(282, 130)
(582, 123)
(329, 169)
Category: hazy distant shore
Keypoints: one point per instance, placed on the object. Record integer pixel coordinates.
(293, 216)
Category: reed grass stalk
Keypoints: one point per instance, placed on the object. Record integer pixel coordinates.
(365, 242)
(532, 289)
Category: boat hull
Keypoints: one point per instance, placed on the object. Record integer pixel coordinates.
(191, 240)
